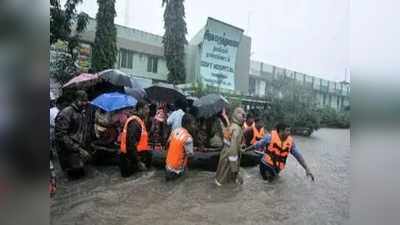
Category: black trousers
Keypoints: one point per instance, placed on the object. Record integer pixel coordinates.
(268, 173)
(128, 163)
(146, 157)
(170, 176)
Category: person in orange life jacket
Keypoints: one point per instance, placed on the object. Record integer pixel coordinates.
(248, 126)
(135, 153)
(180, 147)
(280, 143)
(249, 121)
(258, 132)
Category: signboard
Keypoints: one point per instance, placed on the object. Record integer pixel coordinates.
(84, 57)
(218, 54)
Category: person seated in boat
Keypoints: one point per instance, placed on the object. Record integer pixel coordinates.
(158, 125)
(217, 131)
(248, 126)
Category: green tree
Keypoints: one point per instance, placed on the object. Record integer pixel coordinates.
(62, 21)
(105, 47)
(174, 39)
(291, 103)
(331, 118)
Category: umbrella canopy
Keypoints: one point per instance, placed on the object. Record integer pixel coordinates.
(116, 77)
(210, 105)
(137, 91)
(82, 80)
(164, 93)
(191, 99)
(114, 101)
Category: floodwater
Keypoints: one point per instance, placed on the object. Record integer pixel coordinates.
(145, 198)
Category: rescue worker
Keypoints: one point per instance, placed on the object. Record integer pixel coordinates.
(280, 143)
(258, 132)
(180, 147)
(70, 131)
(229, 160)
(135, 152)
(248, 127)
(249, 123)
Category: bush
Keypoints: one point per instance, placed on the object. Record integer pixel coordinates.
(280, 112)
(331, 118)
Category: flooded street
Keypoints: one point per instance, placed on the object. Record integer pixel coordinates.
(145, 198)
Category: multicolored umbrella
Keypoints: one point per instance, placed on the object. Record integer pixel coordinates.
(113, 101)
(82, 80)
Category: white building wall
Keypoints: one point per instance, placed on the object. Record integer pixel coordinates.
(139, 67)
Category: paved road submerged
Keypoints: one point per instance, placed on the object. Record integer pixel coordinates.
(145, 198)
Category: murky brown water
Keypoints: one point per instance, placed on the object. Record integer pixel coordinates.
(106, 198)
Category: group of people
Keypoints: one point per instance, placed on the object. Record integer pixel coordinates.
(237, 135)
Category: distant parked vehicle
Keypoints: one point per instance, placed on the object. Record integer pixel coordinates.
(303, 131)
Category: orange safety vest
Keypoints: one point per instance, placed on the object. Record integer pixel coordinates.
(245, 126)
(257, 135)
(176, 156)
(227, 133)
(143, 141)
(278, 151)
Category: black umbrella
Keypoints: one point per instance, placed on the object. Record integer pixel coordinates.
(164, 93)
(210, 105)
(137, 90)
(116, 77)
(191, 99)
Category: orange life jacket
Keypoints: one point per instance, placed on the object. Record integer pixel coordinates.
(245, 126)
(227, 132)
(257, 134)
(278, 151)
(176, 156)
(143, 141)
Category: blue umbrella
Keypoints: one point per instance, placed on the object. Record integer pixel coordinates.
(113, 101)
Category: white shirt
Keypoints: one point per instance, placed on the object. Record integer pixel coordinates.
(175, 119)
(53, 113)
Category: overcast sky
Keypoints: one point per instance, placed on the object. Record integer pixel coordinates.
(309, 36)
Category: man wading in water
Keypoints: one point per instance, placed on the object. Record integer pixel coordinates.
(279, 144)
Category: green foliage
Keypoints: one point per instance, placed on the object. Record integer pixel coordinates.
(105, 47)
(330, 118)
(62, 66)
(174, 40)
(198, 89)
(291, 103)
(61, 22)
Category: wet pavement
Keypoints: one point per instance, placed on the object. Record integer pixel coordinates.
(145, 198)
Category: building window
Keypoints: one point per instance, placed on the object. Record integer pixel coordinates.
(152, 64)
(252, 86)
(342, 104)
(126, 60)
